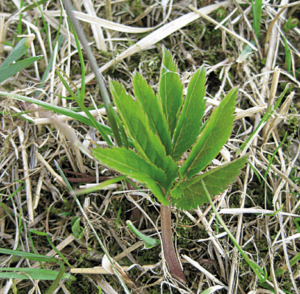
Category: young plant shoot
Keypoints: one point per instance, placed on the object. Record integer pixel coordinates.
(164, 126)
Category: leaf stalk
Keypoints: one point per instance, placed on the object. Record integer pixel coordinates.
(168, 246)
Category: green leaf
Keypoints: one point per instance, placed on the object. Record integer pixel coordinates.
(216, 181)
(10, 70)
(62, 110)
(176, 192)
(288, 55)
(77, 229)
(36, 274)
(212, 138)
(101, 186)
(171, 170)
(256, 9)
(49, 67)
(170, 90)
(147, 144)
(130, 164)
(19, 50)
(88, 114)
(189, 123)
(35, 4)
(149, 242)
(246, 52)
(153, 109)
(29, 255)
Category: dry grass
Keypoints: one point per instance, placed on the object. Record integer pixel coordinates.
(126, 36)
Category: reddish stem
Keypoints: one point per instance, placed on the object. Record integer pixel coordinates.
(168, 246)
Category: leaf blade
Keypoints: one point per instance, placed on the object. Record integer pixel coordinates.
(36, 274)
(147, 144)
(12, 69)
(153, 109)
(127, 162)
(170, 90)
(216, 181)
(19, 50)
(81, 105)
(212, 138)
(189, 123)
(61, 110)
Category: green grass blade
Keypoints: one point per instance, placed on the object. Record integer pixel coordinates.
(212, 138)
(44, 234)
(212, 289)
(264, 119)
(19, 50)
(100, 186)
(15, 192)
(170, 90)
(153, 109)
(20, 19)
(99, 78)
(31, 256)
(288, 55)
(59, 277)
(6, 72)
(82, 64)
(189, 123)
(34, 273)
(81, 105)
(63, 111)
(149, 242)
(262, 275)
(93, 230)
(57, 44)
(246, 52)
(273, 155)
(50, 64)
(35, 4)
(256, 9)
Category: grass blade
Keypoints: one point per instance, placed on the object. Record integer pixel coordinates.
(81, 105)
(6, 72)
(31, 256)
(98, 187)
(19, 50)
(36, 274)
(92, 228)
(256, 9)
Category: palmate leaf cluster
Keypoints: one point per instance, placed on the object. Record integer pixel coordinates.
(164, 126)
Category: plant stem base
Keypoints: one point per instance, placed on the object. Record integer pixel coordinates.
(168, 246)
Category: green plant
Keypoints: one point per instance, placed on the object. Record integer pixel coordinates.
(290, 24)
(149, 242)
(162, 127)
(220, 14)
(11, 66)
(33, 273)
(256, 9)
(77, 229)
